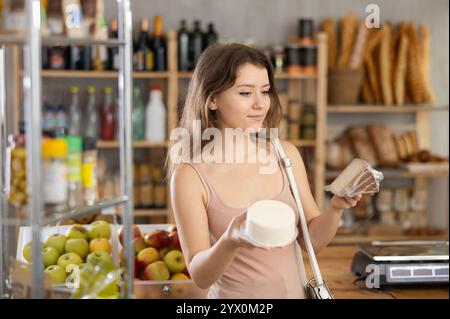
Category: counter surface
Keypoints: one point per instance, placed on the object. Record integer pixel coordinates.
(335, 262)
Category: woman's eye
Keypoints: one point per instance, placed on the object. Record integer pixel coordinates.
(245, 93)
(266, 92)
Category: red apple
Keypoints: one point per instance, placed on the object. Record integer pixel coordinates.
(147, 256)
(174, 241)
(157, 239)
(157, 271)
(138, 244)
(136, 233)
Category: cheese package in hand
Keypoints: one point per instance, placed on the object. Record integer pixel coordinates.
(358, 178)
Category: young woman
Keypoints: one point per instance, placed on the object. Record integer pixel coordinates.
(233, 87)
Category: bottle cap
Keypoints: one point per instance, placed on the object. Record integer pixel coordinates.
(54, 148)
(74, 89)
(91, 89)
(107, 90)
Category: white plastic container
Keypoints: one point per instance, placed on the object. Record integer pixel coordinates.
(155, 116)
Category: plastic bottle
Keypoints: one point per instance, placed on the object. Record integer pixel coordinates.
(74, 162)
(138, 115)
(155, 117)
(54, 177)
(74, 113)
(108, 117)
(61, 117)
(89, 171)
(49, 120)
(91, 128)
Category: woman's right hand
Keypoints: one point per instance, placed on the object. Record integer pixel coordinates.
(233, 234)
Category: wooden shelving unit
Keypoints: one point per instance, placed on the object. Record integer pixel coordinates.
(171, 81)
(384, 109)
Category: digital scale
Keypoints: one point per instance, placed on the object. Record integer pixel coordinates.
(403, 262)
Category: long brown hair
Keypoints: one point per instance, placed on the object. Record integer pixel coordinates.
(214, 73)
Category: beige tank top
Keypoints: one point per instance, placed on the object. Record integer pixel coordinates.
(255, 273)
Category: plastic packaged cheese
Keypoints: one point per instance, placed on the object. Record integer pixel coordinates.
(357, 178)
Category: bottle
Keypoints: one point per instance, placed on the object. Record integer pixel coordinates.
(138, 115)
(113, 52)
(49, 118)
(74, 164)
(54, 177)
(196, 44)
(107, 117)
(44, 32)
(100, 52)
(56, 54)
(142, 55)
(74, 113)
(183, 47)
(155, 117)
(91, 128)
(158, 45)
(89, 171)
(61, 118)
(211, 36)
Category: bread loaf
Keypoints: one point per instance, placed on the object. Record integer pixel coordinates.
(366, 93)
(400, 70)
(414, 71)
(329, 27)
(401, 147)
(362, 145)
(424, 44)
(357, 57)
(347, 28)
(385, 65)
(383, 141)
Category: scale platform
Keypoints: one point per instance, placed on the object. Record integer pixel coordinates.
(403, 262)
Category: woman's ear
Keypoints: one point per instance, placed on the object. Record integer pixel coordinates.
(212, 104)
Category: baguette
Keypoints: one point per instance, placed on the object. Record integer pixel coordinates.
(400, 70)
(385, 65)
(425, 55)
(373, 79)
(414, 71)
(360, 45)
(329, 27)
(347, 27)
(366, 93)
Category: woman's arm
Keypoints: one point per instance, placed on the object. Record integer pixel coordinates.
(322, 226)
(205, 263)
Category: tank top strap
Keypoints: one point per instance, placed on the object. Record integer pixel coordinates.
(199, 169)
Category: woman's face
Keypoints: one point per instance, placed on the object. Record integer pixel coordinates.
(246, 103)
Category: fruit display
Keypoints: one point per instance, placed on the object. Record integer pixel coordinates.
(79, 245)
(158, 254)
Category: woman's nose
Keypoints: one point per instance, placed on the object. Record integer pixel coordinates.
(258, 103)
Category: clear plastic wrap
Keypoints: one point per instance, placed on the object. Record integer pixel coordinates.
(358, 178)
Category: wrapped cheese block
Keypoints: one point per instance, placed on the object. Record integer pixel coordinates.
(270, 223)
(357, 178)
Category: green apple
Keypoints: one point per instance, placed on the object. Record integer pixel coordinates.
(56, 241)
(98, 257)
(26, 251)
(69, 259)
(99, 229)
(77, 231)
(174, 260)
(157, 271)
(78, 246)
(49, 256)
(57, 274)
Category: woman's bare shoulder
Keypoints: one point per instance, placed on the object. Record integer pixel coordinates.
(186, 178)
(290, 150)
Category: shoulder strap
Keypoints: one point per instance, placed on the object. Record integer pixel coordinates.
(309, 248)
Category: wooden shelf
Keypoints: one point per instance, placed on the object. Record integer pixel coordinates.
(383, 108)
(280, 75)
(139, 144)
(150, 212)
(395, 173)
(101, 74)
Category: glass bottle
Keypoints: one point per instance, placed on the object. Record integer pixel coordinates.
(143, 57)
(74, 163)
(211, 36)
(183, 47)
(74, 113)
(196, 43)
(113, 52)
(108, 117)
(91, 128)
(89, 171)
(158, 45)
(138, 115)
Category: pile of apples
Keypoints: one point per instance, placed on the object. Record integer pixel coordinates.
(79, 246)
(158, 255)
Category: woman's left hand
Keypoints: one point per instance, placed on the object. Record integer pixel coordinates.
(338, 202)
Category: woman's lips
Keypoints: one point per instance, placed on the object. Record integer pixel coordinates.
(257, 118)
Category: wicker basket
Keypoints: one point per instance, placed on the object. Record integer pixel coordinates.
(344, 86)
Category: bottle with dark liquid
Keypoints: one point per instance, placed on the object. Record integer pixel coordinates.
(196, 44)
(143, 57)
(158, 45)
(113, 52)
(183, 47)
(211, 36)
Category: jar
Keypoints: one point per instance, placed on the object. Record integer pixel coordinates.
(294, 110)
(54, 177)
(278, 58)
(89, 171)
(308, 59)
(159, 195)
(293, 65)
(305, 31)
(17, 193)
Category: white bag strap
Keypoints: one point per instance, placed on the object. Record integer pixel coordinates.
(309, 248)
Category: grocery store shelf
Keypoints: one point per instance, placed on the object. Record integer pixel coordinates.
(362, 108)
(137, 144)
(19, 38)
(303, 143)
(150, 74)
(279, 75)
(150, 212)
(396, 173)
(100, 74)
(86, 210)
